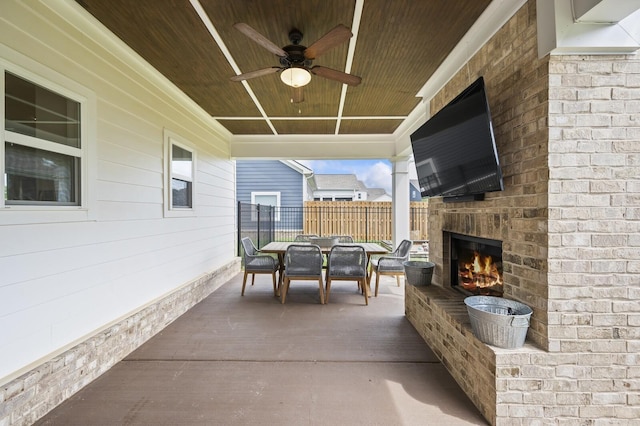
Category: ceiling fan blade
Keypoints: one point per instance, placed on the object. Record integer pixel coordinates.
(298, 95)
(260, 39)
(333, 38)
(342, 77)
(254, 74)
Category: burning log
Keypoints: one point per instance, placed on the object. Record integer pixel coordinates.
(481, 272)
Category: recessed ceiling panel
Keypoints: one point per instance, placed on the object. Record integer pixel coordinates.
(246, 127)
(305, 127)
(171, 37)
(400, 45)
(366, 127)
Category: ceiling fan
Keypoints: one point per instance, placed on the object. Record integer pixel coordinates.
(295, 60)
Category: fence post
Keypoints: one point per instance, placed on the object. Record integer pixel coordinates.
(273, 223)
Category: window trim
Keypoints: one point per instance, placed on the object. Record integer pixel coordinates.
(269, 193)
(171, 139)
(37, 73)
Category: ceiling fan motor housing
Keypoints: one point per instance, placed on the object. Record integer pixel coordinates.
(295, 56)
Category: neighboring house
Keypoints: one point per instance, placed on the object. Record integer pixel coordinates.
(272, 182)
(288, 183)
(344, 187)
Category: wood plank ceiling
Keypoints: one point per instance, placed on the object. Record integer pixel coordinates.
(397, 45)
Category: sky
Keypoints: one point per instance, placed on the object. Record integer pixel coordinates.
(374, 173)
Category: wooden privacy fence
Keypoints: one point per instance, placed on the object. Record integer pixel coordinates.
(363, 220)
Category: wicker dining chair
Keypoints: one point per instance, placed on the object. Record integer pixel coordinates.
(255, 263)
(391, 264)
(302, 262)
(347, 263)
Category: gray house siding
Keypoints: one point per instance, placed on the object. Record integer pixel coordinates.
(414, 193)
(268, 176)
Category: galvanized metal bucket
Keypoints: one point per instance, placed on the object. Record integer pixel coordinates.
(499, 322)
(418, 272)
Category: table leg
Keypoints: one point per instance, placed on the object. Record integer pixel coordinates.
(369, 273)
(281, 269)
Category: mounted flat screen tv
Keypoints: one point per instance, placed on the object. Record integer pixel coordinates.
(455, 151)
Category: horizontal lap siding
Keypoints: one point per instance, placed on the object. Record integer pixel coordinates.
(65, 280)
(268, 176)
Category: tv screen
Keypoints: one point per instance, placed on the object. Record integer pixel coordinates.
(455, 151)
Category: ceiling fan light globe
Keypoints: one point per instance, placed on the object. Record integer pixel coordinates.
(295, 77)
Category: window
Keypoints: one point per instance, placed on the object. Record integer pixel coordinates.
(180, 167)
(267, 199)
(42, 147)
(181, 177)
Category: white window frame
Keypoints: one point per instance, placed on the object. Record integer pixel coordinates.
(30, 70)
(271, 193)
(171, 139)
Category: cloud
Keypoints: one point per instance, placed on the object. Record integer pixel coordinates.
(377, 175)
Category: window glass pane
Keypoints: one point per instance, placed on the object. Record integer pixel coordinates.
(266, 200)
(181, 163)
(35, 176)
(35, 111)
(180, 193)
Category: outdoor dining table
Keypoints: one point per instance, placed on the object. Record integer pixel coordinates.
(280, 247)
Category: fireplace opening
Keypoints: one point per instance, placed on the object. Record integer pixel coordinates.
(476, 265)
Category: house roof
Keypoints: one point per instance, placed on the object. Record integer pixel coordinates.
(297, 166)
(345, 182)
(338, 182)
(374, 194)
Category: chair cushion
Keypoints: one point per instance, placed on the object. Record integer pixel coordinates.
(260, 263)
(348, 271)
(389, 264)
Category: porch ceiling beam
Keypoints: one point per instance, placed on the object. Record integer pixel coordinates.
(313, 147)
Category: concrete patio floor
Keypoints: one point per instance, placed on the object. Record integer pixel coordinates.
(250, 360)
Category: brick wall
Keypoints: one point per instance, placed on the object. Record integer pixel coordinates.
(35, 393)
(594, 230)
(568, 137)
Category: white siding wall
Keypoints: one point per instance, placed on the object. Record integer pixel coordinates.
(65, 275)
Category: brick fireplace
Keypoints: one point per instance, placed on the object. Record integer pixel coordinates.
(568, 141)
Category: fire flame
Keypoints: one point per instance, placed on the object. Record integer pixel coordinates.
(480, 274)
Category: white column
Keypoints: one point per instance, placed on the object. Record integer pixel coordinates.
(400, 200)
